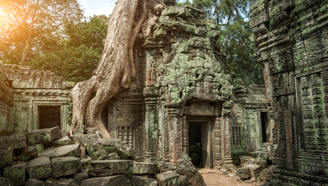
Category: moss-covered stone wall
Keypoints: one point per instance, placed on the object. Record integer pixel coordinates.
(6, 100)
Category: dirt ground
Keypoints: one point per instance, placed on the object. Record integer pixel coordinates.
(214, 177)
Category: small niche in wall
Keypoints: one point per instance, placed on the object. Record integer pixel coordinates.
(49, 116)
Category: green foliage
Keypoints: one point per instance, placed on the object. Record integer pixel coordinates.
(76, 56)
(29, 27)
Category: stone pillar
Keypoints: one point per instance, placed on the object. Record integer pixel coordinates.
(217, 143)
(225, 128)
(150, 122)
(176, 133)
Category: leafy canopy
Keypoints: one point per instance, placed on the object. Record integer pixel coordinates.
(76, 56)
(29, 27)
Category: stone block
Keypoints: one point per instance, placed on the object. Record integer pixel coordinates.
(122, 150)
(119, 180)
(66, 182)
(79, 177)
(68, 150)
(64, 133)
(43, 135)
(61, 182)
(16, 173)
(168, 178)
(110, 167)
(65, 166)
(144, 168)
(6, 157)
(29, 155)
(84, 138)
(40, 168)
(141, 181)
(17, 141)
(85, 162)
(185, 167)
(243, 173)
(112, 156)
(6, 182)
(97, 151)
(62, 141)
(38, 147)
(34, 182)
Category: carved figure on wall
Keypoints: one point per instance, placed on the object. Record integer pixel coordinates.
(115, 71)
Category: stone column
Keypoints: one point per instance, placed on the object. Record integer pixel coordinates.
(176, 133)
(225, 128)
(217, 143)
(150, 122)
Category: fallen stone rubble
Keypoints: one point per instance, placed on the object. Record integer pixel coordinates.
(250, 169)
(50, 157)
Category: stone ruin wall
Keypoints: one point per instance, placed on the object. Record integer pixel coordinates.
(246, 126)
(292, 41)
(6, 101)
(30, 89)
(179, 74)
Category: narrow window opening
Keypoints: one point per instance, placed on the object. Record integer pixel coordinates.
(264, 126)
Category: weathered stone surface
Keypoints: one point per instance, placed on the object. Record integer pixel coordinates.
(263, 175)
(185, 167)
(97, 151)
(85, 161)
(64, 133)
(17, 141)
(110, 167)
(38, 147)
(112, 156)
(84, 138)
(43, 135)
(119, 180)
(243, 173)
(16, 173)
(34, 182)
(6, 182)
(144, 168)
(122, 150)
(40, 168)
(168, 178)
(62, 141)
(83, 152)
(65, 182)
(79, 177)
(243, 160)
(68, 150)
(141, 181)
(65, 166)
(6, 157)
(29, 155)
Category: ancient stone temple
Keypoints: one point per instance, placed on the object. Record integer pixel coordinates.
(180, 90)
(251, 127)
(292, 41)
(32, 99)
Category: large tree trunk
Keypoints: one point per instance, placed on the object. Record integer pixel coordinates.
(115, 71)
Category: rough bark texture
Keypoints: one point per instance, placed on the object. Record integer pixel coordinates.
(115, 71)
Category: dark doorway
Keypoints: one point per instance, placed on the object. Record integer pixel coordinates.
(264, 126)
(195, 143)
(104, 116)
(49, 116)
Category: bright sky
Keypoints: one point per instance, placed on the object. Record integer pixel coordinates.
(97, 7)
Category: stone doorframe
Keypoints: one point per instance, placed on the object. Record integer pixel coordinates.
(214, 138)
(34, 120)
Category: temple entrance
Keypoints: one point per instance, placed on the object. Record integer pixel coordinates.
(49, 116)
(195, 143)
(200, 142)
